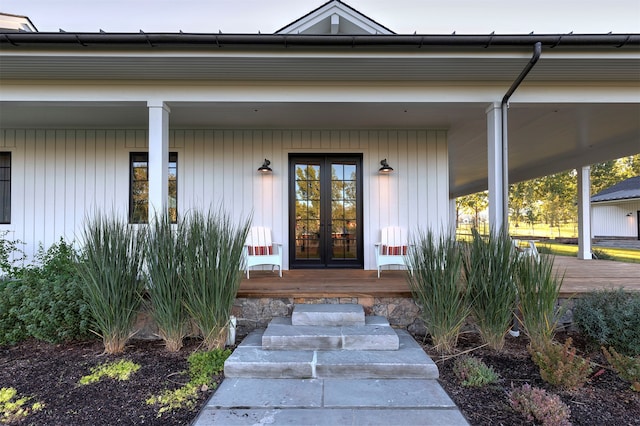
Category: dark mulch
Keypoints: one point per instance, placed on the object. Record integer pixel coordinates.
(604, 400)
(50, 373)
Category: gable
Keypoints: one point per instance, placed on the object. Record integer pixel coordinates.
(332, 18)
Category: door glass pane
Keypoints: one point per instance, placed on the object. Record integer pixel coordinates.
(307, 211)
(343, 211)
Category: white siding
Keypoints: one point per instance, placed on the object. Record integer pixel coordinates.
(611, 220)
(60, 176)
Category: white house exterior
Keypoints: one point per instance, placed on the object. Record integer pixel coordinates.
(81, 113)
(615, 211)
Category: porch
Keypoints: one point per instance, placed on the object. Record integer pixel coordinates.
(580, 277)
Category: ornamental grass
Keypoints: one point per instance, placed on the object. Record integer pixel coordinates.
(538, 290)
(212, 271)
(109, 268)
(490, 267)
(165, 252)
(437, 286)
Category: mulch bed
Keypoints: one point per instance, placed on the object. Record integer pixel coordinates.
(50, 373)
(604, 400)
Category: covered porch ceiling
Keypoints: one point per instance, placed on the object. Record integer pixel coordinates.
(548, 130)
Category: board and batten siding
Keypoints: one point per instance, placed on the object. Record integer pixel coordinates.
(611, 220)
(61, 176)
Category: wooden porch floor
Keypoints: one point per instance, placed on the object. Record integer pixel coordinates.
(581, 276)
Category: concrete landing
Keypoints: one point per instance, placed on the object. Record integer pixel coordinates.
(330, 402)
(374, 334)
(250, 359)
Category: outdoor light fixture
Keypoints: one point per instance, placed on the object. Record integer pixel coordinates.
(386, 168)
(265, 167)
(629, 214)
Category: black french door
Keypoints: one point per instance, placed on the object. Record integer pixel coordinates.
(325, 214)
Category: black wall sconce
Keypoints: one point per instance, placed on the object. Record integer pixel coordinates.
(265, 167)
(629, 214)
(386, 168)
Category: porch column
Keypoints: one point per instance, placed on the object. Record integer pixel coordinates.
(453, 217)
(158, 166)
(584, 213)
(495, 164)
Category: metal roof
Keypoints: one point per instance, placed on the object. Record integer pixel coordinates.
(625, 190)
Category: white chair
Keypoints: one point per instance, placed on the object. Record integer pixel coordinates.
(392, 248)
(529, 248)
(259, 249)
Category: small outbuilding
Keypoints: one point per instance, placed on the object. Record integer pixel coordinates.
(615, 211)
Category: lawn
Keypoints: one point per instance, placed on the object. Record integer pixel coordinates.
(610, 253)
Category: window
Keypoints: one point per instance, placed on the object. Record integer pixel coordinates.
(139, 187)
(5, 187)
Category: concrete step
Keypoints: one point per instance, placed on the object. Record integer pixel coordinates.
(328, 314)
(251, 360)
(330, 402)
(375, 334)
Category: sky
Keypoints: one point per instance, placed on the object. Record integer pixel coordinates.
(268, 16)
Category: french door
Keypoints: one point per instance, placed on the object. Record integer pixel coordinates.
(325, 215)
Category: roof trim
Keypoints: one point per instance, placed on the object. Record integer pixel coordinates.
(23, 39)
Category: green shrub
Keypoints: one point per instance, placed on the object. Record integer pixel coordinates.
(610, 318)
(12, 298)
(211, 274)
(437, 286)
(538, 290)
(627, 367)
(490, 266)
(10, 255)
(539, 406)
(473, 372)
(560, 366)
(109, 267)
(45, 302)
(166, 290)
(204, 365)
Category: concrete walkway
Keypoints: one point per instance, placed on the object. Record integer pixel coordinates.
(354, 374)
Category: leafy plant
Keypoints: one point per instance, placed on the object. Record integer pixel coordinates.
(560, 365)
(111, 261)
(610, 318)
(437, 286)
(473, 372)
(202, 367)
(46, 301)
(10, 255)
(627, 367)
(537, 405)
(490, 266)
(164, 267)
(211, 274)
(14, 410)
(119, 370)
(538, 290)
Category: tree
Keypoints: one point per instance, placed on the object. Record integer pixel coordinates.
(474, 204)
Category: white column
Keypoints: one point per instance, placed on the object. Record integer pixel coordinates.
(495, 164)
(158, 158)
(584, 213)
(453, 217)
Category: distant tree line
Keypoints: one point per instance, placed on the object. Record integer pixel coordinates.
(551, 199)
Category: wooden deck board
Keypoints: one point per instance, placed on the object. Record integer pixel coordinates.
(581, 276)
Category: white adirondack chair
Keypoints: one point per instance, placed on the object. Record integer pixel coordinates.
(259, 249)
(392, 248)
(526, 248)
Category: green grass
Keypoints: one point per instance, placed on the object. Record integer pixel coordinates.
(617, 254)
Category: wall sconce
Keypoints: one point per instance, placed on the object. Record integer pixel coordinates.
(629, 214)
(265, 167)
(386, 168)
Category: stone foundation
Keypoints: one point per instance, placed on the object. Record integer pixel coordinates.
(252, 313)
(402, 312)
